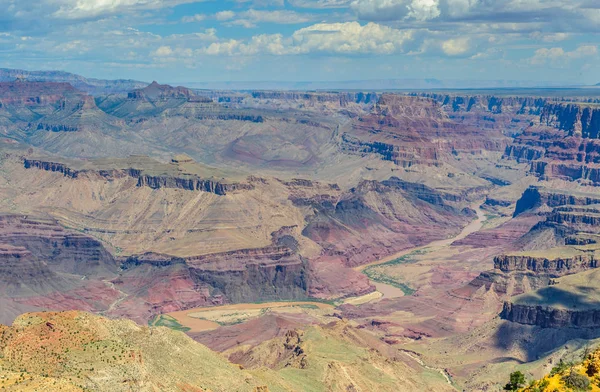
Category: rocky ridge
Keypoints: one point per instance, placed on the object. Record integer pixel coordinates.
(178, 181)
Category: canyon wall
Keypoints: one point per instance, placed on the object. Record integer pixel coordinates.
(189, 182)
(548, 317)
(541, 265)
(562, 143)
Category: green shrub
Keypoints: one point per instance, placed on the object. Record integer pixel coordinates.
(517, 380)
(577, 381)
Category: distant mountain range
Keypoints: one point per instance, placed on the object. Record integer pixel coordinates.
(378, 84)
(90, 86)
(120, 86)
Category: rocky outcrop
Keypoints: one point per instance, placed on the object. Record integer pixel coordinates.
(584, 219)
(535, 197)
(509, 284)
(64, 251)
(18, 268)
(489, 103)
(575, 119)
(563, 143)
(152, 259)
(187, 182)
(251, 275)
(163, 283)
(190, 184)
(160, 92)
(540, 265)
(231, 116)
(414, 130)
(50, 166)
(567, 171)
(341, 99)
(36, 94)
(549, 317)
(88, 85)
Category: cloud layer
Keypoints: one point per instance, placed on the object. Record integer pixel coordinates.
(419, 37)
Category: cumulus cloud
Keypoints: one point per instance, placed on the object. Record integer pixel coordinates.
(225, 15)
(456, 46)
(320, 3)
(386, 10)
(349, 38)
(78, 9)
(575, 15)
(252, 17)
(559, 56)
(194, 18)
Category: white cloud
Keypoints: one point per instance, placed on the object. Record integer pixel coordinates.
(81, 9)
(193, 18)
(320, 3)
(252, 17)
(424, 9)
(456, 46)
(277, 16)
(350, 38)
(550, 37)
(163, 51)
(559, 56)
(336, 38)
(224, 15)
(381, 10)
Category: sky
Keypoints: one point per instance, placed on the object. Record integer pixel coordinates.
(305, 40)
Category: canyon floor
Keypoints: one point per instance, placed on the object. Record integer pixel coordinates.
(295, 241)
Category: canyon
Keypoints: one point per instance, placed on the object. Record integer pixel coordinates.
(437, 240)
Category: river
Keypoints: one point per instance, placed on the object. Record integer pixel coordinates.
(390, 291)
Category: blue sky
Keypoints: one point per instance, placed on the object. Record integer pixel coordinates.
(305, 40)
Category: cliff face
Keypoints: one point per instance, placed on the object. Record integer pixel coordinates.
(341, 99)
(563, 143)
(190, 183)
(36, 94)
(580, 219)
(554, 267)
(548, 317)
(411, 130)
(160, 283)
(272, 273)
(50, 166)
(160, 92)
(489, 103)
(90, 86)
(535, 197)
(18, 267)
(64, 251)
(575, 119)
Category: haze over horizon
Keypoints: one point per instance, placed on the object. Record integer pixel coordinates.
(186, 41)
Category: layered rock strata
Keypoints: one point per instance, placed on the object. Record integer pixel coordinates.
(187, 182)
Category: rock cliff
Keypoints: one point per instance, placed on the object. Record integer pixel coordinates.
(554, 267)
(63, 251)
(411, 130)
(563, 143)
(186, 182)
(549, 317)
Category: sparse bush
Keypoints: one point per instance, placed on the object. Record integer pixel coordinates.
(517, 380)
(561, 367)
(577, 381)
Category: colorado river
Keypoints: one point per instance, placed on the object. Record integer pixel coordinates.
(390, 291)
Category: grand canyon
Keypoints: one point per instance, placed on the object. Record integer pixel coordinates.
(165, 238)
